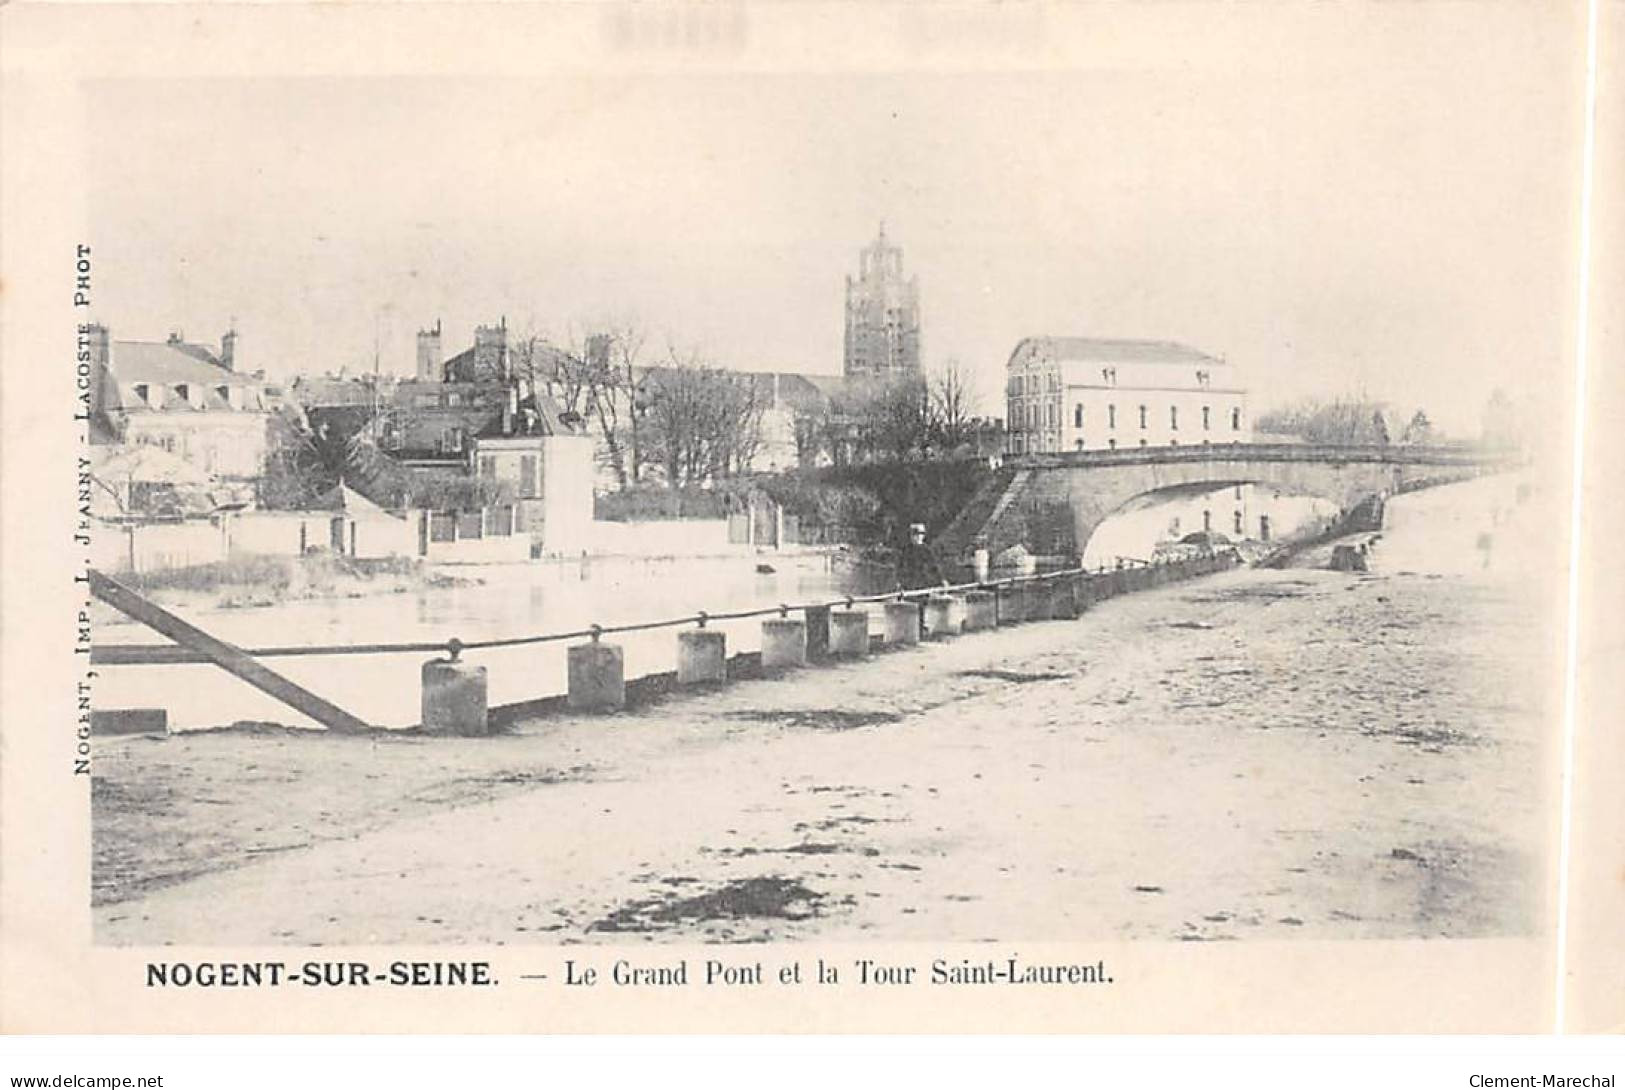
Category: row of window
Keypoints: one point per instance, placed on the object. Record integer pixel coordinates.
(1035, 416)
(145, 392)
(528, 489)
(454, 399)
(1033, 383)
(1036, 443)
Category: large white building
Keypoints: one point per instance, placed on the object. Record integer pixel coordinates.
(1086, 393)
(183, 398)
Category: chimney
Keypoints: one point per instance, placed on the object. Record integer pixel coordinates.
(491, 352)
(510, 409)
(100, 343)
(429, 359)
(228, 350)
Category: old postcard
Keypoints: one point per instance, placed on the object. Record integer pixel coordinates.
(817, 517)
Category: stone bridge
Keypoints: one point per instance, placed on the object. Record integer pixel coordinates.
(1052, 503)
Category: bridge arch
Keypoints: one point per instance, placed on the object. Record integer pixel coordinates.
(1134, 526)
(1053, 503)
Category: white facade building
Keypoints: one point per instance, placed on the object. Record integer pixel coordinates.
(1084, 393)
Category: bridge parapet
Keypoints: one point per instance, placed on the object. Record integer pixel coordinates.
(1433, 455)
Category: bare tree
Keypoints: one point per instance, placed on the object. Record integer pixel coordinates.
(612, 386)
(891, 420)
(953, 404)
(701, 422)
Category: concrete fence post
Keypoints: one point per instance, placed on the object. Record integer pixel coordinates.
(597, 676)
(1009, 603)
(1063, 604)
(939, 618)
(956, 612)
(1087, 591)
(902, 624)
(784, 643)
(981, 610)
(454, 698)
(848, 633)
(702, 656)
(817, 632)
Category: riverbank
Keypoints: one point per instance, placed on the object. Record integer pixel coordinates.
(1365, 756)
(254, 581)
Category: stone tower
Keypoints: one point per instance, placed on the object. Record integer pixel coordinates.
(429, 357)
(882, 315)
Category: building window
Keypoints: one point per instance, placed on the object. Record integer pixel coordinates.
(1079, 444)
(1207, 522)
(488, 466)
(1238, 524)
(527, 477)
(1112, 443)
(141, 391)
(1077, 416)
(1173, 442)
(1235, 419)
(1173, 417)
(1203, 378)
(1111, 416)
(1238, 490)
(1108, 375)
(184, 392)
(1142, 442)
(1207, 421)
(1142, 420)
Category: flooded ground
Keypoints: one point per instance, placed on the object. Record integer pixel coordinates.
(515, 600)
(1258, 754)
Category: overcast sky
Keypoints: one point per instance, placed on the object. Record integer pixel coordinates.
(1355, 215)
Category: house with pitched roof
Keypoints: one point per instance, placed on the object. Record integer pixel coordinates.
(184, 398)
(469, 416)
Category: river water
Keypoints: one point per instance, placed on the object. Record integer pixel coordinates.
(1440, 529)
(511, 600)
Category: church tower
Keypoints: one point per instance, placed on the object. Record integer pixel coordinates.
(882, 315)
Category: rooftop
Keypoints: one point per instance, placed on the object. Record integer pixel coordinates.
(170, 362)
(1112, 350)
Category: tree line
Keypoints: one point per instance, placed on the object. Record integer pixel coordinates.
(1348, 420)
(677, 420)
(691, 421)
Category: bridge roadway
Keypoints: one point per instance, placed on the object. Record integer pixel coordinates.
(1053, 502)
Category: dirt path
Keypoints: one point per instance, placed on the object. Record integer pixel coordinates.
(1257, 754)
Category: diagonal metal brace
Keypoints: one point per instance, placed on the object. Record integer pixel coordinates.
(229, 658)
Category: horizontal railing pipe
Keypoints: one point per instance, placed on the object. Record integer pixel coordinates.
(170, 654)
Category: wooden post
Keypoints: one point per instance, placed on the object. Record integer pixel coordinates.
(229, 658)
